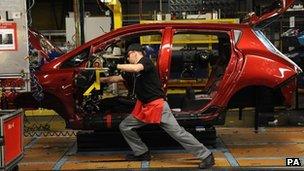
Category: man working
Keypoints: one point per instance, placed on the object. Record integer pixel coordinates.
(151, 108)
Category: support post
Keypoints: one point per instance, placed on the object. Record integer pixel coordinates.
(240, 113)
(77, 22)
(81, 19)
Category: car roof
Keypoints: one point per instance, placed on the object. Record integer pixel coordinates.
(162, 25)
(191, 25)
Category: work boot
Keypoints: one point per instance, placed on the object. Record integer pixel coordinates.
(143, 157)
(207, 162)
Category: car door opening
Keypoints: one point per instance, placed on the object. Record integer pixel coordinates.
(198, 63)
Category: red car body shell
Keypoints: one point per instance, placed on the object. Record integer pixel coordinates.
(251, 64)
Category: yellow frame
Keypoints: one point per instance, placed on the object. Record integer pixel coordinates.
(96, 84)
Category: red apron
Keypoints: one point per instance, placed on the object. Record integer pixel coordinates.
(150, 112)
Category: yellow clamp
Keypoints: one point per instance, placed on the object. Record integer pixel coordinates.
(96, 84)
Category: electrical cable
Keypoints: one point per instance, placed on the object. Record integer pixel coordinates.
(99, 5)
(29, 12)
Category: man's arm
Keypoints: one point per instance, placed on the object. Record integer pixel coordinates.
(111, 79)
(130, 67)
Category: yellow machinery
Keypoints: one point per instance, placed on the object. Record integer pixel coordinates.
(115, 7)
(96, 84)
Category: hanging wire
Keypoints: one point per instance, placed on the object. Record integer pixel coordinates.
(36, 87)
(29, 12)
(100, 6)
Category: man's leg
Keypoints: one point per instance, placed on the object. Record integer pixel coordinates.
(126, 127)
(187, 140)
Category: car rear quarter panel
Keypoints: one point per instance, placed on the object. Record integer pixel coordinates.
(258, 70)
(260, 66)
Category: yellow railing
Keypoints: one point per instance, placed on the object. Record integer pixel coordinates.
(40, 112)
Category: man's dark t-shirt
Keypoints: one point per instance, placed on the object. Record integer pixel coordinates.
(147, 83)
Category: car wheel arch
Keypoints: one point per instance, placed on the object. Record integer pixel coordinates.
(256, 95)
(49, 101)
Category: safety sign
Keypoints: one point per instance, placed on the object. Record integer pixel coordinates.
(8, 36)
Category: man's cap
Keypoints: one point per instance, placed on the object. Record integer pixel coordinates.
(135, 47)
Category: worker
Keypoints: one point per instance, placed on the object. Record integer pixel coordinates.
(151, 108)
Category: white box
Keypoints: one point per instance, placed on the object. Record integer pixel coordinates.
(93, 27)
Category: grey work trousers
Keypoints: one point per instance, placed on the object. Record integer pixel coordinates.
(171, 126)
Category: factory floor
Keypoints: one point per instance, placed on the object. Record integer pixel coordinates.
(238, 146)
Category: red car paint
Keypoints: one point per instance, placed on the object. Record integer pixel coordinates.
(42, 44)
(251, 64)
